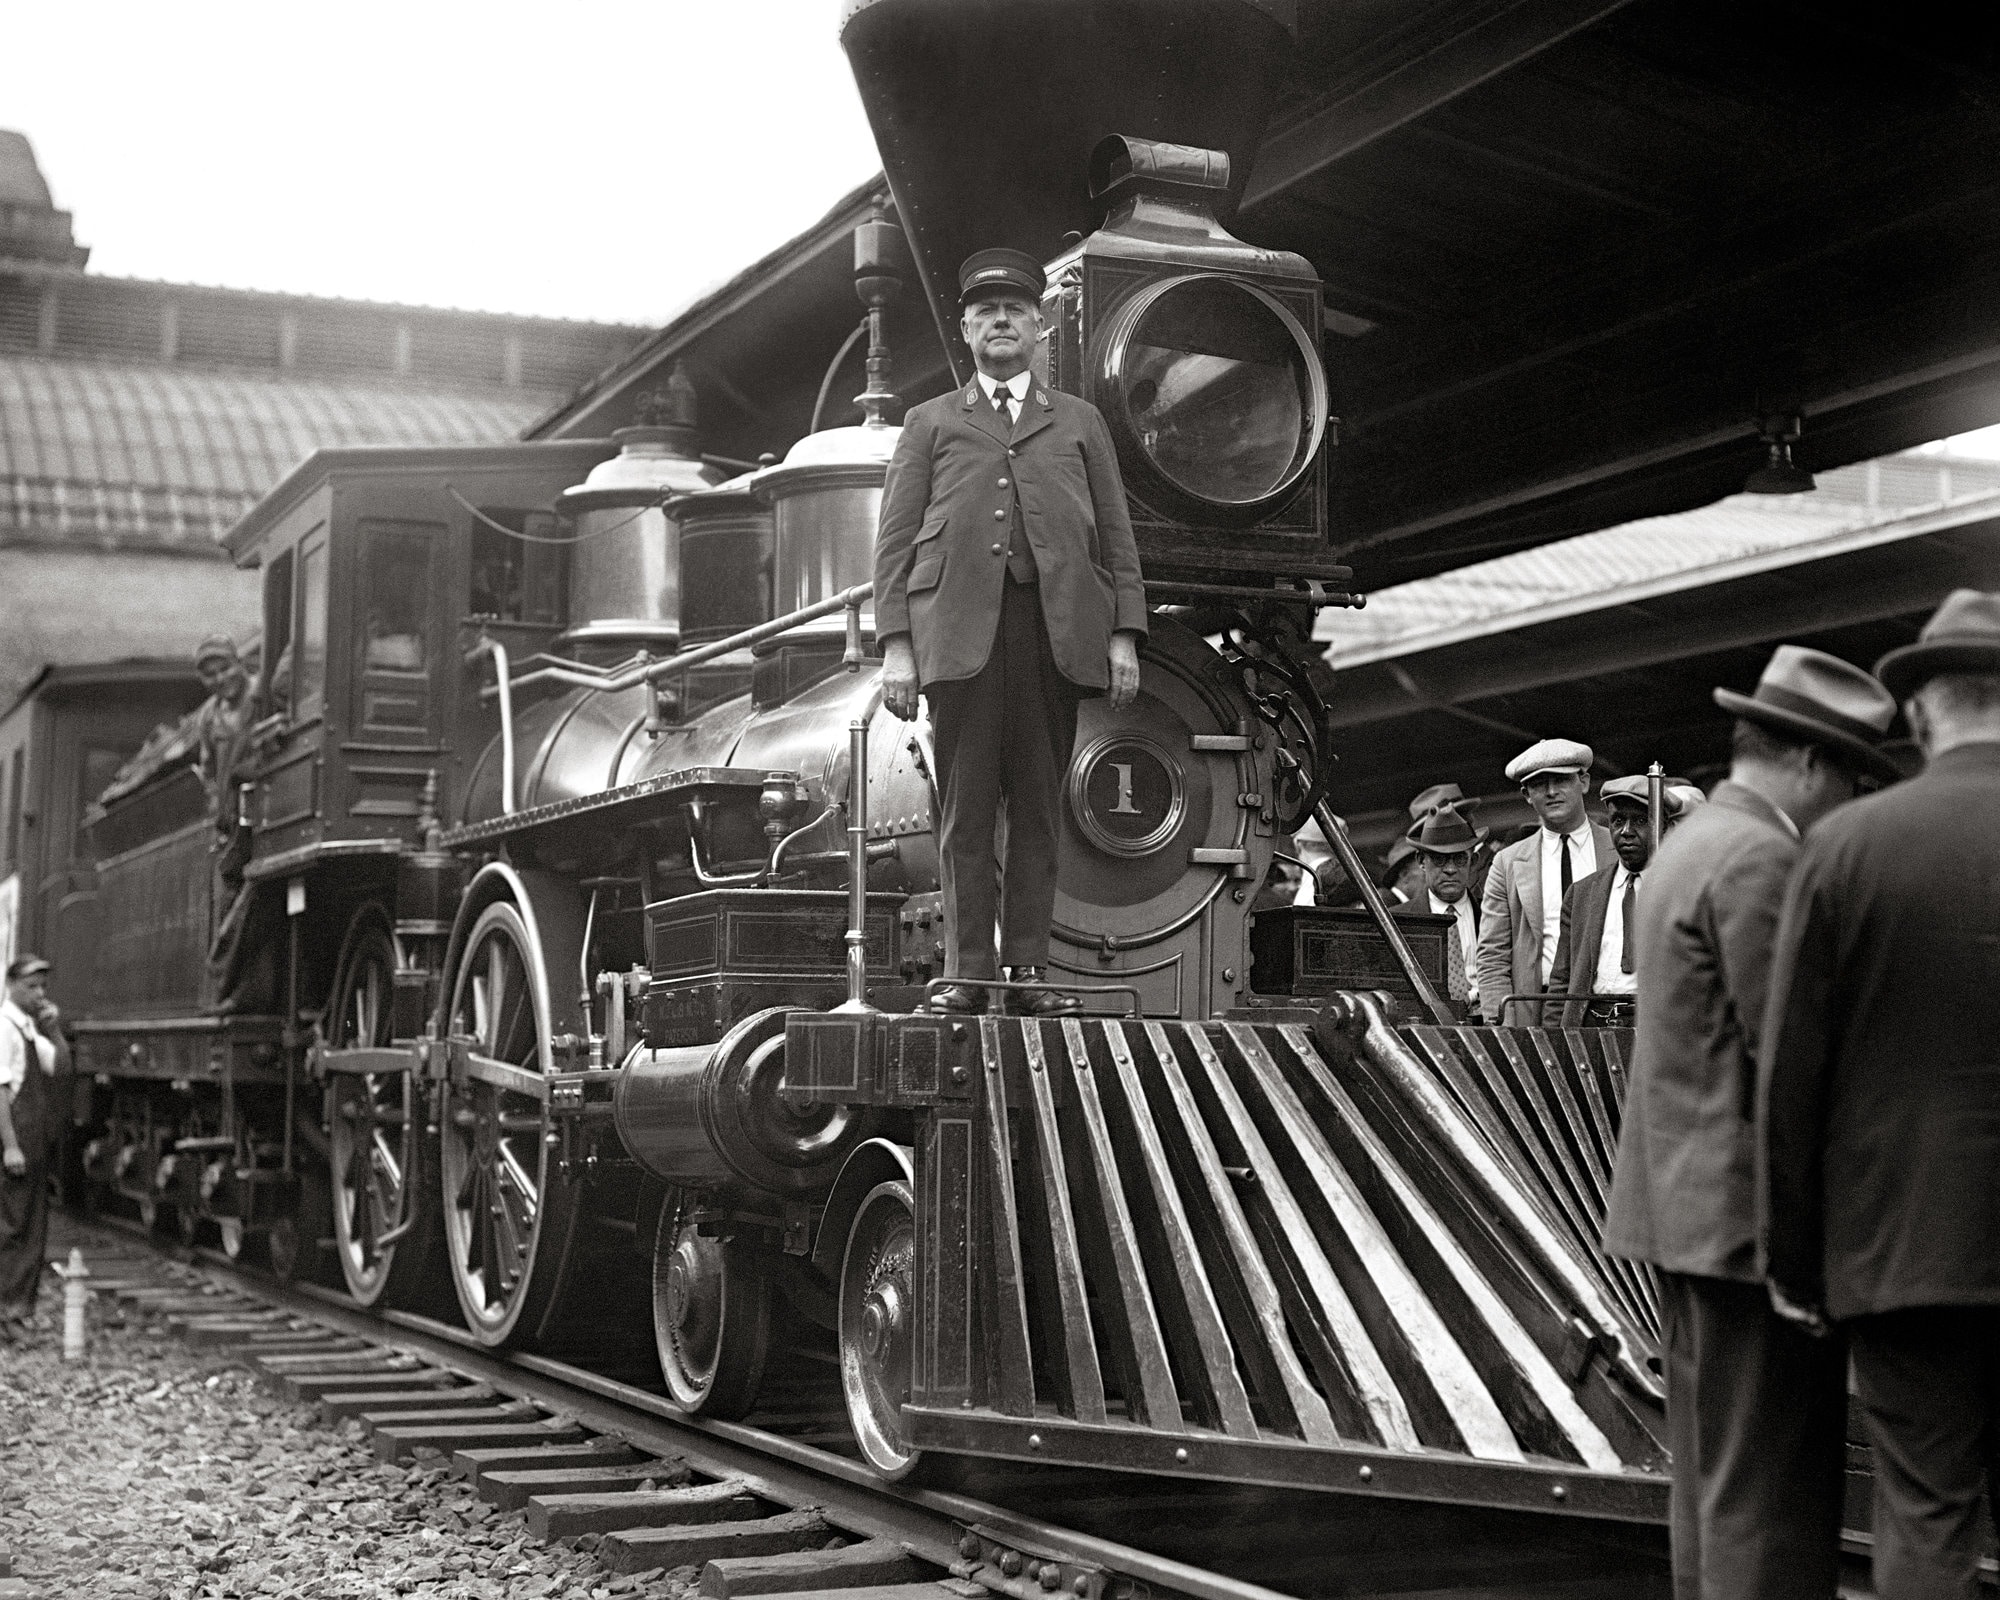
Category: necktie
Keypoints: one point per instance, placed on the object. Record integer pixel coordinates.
(1567, 871)
(1625, 945)
(1454, 967)
(1003, 403)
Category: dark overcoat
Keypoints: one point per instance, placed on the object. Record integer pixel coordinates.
(1574, 970)
(1683, 1195)
(1880, 1105)
(955, 486)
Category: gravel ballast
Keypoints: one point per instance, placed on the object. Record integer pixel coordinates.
(154, 1470)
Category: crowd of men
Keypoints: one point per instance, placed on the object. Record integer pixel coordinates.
(1810, 1153)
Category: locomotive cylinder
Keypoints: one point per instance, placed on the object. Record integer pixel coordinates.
(709, 1116)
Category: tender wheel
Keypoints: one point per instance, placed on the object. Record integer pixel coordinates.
(507, 1214)
(711, 1320)
(877, 1304)
(374, 1121)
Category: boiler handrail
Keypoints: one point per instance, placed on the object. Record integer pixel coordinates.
(642, 670)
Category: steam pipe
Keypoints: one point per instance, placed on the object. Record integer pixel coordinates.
(1343, 847)
(502, 686)
(857, 868)
(577, 676)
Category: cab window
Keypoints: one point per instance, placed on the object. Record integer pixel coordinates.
(310, 650)
(515, 577)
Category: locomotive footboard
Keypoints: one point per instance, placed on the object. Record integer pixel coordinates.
(1342, 1255)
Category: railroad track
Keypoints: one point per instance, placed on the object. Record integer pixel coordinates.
(584, 1451)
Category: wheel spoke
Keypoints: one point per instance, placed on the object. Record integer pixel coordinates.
(386, 1163)
(524, 1186)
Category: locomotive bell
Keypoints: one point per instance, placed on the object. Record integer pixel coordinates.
(625, 575)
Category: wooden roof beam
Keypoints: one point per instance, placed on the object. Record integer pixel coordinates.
(1502, 34)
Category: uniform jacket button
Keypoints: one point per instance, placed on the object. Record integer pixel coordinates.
(1000, 514)
(999, 549)
(1000, 483)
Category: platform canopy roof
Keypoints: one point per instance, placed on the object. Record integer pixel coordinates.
(1618, 637)
(146, 452)
(1572, 249)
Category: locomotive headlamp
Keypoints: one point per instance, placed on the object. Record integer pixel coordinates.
(1219, 392)
(1203, 354)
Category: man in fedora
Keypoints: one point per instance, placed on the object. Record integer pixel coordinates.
(1595, 954)
(1445, 843)
(1007, 589)
(1756, 1408)
(1879, 1109)
(1520, 912)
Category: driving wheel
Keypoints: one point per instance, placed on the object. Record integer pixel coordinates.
(374, 1122)
(508, 1215)
(711, 1319)
(877, 1303)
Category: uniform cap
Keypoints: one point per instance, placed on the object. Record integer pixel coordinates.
(217, 646)
(1000, 268)
(25, 965)
(1633, 791)
(1550, 755)
(1963, 635)
(1811, 696)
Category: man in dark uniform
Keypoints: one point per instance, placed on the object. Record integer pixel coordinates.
(32, 1052)
(1879, 1106)
(1756, 1410)
(1007, 589)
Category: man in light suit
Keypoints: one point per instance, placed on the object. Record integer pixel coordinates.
(1520, 913)
(1595, 954)
(1007, 589)
(1756, 1410)
(1879, 1106)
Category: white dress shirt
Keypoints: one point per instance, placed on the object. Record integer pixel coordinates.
(1016, 387)
(1611, 978)
(17, 1029)
(1460, 911)
(1582, 863)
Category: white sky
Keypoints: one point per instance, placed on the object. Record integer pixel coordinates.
(608, 159)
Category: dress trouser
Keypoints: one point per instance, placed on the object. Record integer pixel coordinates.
(24, 1201)
(1757, 1423)
(1002, 739)
(1929, 1383)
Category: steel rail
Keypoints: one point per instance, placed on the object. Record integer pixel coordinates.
(930, 1523)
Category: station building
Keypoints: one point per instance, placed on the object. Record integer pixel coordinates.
(139, 420)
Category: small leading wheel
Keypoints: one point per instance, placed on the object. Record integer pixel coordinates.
(374, 1120)
(877, 1303)
(508, 1213)
(711, 1319)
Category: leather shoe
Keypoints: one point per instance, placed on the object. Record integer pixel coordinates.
(1040, 1002)
(959, 999)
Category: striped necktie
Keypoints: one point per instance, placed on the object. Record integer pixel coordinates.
(1003, 402)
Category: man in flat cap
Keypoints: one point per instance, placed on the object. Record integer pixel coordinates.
(1445, 842)
(1520, 914)
(1879, 1109)
(32, 1053)
(1756, 1408)
(1007, 590)
(1595, 954)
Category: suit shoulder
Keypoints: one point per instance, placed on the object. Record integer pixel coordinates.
(929, 413)
(1072, 408)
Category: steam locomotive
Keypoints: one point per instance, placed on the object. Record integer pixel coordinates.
(593, 898)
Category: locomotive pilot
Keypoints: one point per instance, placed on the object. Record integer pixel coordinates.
(1007, 591)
